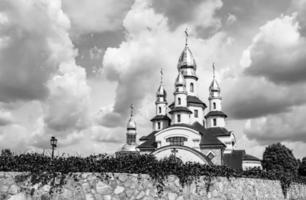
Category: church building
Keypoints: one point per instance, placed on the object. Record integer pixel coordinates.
(188, 128)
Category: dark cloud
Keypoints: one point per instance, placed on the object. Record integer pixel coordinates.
(178, 12)
(288, 126)
(91, 48)
(251, 97)
(250, 13)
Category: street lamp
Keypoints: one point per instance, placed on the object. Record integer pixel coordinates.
(53, 142)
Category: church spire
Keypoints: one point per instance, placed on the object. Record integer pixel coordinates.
(214, 88)
(187, 66)
(215, 117)
(161, 120)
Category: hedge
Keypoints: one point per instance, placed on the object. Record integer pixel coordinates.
(43, 169)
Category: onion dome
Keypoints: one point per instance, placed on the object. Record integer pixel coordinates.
(180, 80)
(214, 86)
(186, 60)
(161, 92)
(131, 125)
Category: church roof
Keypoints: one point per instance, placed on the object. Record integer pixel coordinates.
(149, 143)
(234, 159)
(250, 157)
(218, 131)
(207, 139)
(160, 117)
(195, 100)
(215, 113)
(191, 100)
(180, 109)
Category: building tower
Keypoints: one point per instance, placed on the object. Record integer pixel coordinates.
(180, 113)
(161, 120)
(131, 134)
(215, 117)
(187, 66)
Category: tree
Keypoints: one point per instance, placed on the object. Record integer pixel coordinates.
(279, 158)
(302, 167)
(6, 152)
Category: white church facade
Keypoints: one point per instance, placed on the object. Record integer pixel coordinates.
(187, 128)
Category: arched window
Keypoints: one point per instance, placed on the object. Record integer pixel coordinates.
(159, 109)
(179, 101)
(196, 113)
(178, 118)
(215, 122)
(191, 87)
(176, 140)
(214, 105)
(158, 125)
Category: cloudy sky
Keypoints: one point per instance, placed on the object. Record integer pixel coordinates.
(71, 68)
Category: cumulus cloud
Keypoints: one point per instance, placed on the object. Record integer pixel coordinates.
(274, 70)
(37, 62)
(96, 15)
(32, 42)
(277, 52)
(135, 65)
(68, 102)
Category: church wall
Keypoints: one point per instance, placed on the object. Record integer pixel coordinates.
(134, 186)
(175, 132)
(227, 140)
(195, 89)
(249, 164)
(185, 118)
(217, 160)
(218, 104)
(220, 122)
(200, 117)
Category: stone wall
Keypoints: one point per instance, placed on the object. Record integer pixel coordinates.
(89, 186)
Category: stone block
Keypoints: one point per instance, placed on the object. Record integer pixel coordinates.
(118, 189)
(103, 188)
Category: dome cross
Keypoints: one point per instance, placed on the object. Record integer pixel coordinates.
(186, 36)
(132, 110)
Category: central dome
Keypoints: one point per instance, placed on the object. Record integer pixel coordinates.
(186, 60)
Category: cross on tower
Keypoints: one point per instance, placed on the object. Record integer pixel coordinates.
(186, 36)
(213, 65)
(161, 75)
(132, 109)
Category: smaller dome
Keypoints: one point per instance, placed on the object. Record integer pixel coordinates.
(131, 123)
(214, 86)
(186, 59)
(161, 91)
(128, 147)
(180, 80)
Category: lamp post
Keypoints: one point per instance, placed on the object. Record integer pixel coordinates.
(53, 142)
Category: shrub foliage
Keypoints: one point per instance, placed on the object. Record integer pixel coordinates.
(42, 169)
(278, 157)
